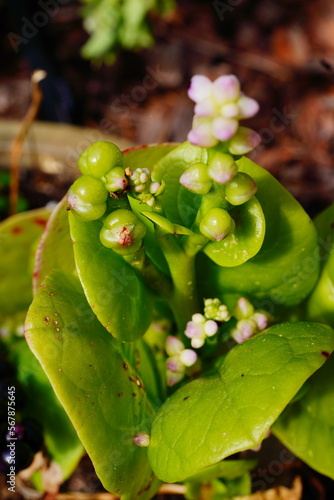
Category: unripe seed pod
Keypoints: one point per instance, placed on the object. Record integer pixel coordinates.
(217, 224)
(122, 232)
(99, 158)
(87, 198)
(241, 188)
(222, 168)
(196, 178)
(115, 180)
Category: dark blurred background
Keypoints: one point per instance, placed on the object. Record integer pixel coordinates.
(125, 71)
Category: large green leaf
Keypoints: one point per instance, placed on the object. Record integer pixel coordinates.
(306, 427)
(62, 443)
(146, 156)
(101, 392)
(55, 250)
(231, 410)
(18, 237)
(320, 304)
(113, 289)
(286, 268)
(245, 241)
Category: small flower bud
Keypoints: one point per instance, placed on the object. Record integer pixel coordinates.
(245, 328)
(248, 107)
(196, 178)
(222, 168)
(173, 377)
(115, 180)
(224, 128)
(243, 309)
(244, 141)
(216, 224)
(198, 318)
(173, 345)
(210, 328)
(188, 357)
(174, 364)
(201, 134)
(261, 319)
(197, 343)
(154, 187)
(214, 309)
(122, 232)
(240, 189)
(200, 88)
(142, 439)
(226, 88)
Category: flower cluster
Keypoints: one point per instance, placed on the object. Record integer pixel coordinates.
(250, 321)
(142, 186)
(219, 107)
(179, 359)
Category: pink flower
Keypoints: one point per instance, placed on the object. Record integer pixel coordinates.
(219, 107)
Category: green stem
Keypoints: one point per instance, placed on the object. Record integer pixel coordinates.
(184, 301)
(150, 274)
(215, 198)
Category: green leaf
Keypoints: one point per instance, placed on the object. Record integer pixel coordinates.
(324, 223)
(166, 225)
(320, 304)
(61, 440)
(152, 247)
(113, 289)
(146, 156)
(55, 249)
(245, 241)
(286, 268)
(307, 426)
(227, 469)
(170, 168)
(18, 238)
(231, 410)
(102, 394)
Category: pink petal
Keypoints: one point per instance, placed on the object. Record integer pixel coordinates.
(230, 110)
(224, 128)
(226, 88)
(202, 136)
(188, 357)
(244, 141)
(173, 345)
(248, 107)
(205, 108)
(200, 88)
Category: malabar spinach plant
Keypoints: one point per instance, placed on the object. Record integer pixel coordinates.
(183, 308)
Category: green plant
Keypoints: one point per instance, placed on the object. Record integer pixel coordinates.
(193, 314)
(119, 24)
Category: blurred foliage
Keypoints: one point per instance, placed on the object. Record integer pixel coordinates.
(117, 24)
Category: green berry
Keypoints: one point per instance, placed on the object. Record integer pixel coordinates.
(122, 232)
(216, 224)
(87, 198)
(240, 189)
(196, 179)
(222, 168)
(99, 158)
(115, 180)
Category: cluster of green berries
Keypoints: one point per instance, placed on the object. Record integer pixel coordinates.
(238, 188)
(103, 174)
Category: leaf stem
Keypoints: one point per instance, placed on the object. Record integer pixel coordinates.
(184, 300)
